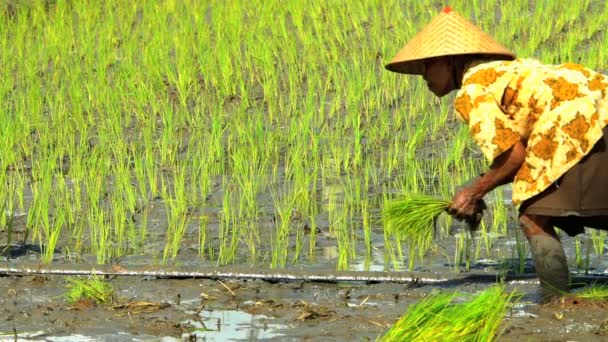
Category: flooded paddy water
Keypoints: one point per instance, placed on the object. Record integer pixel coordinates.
(225, 166)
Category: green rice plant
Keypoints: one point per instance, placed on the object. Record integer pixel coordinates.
(592, 292)
(178, 215)
(100, 234)
(367, 229)
(140, 176)
(311, 213)
(598, 238)
(339, 226)
(121, 234)
(95, 289)
(450, 316)
(39, 212)
(582, 262)
(152, 172)
(284, 205)
(7, 205)
(413, 218)
(51, 235)
(521, 250)
(231, 225)
(462, 252)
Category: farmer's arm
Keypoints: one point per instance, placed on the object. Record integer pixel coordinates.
(502, 170)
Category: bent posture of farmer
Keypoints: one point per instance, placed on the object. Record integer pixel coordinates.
(543, 127)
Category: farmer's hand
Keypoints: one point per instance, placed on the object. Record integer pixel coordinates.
(467, 205)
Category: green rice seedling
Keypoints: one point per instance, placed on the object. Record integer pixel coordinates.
(598, 238)
(444, 316)
(339, 220)
(577, 252)
(592, 292)
(311, 211)
(582, 262)
(391, 253)
(419, 315)
(120, 234)
(178, 219)
(76, 238)
(485, 237)
(477, 242)
(284, 205)
(100, 232)
(463, 251)
(95, 289)
(367, 228)
(140, 176)
(587, 261)
(152, 172)
(202, 235)
(51, 235)
(178, 215)
(458, 252)
(39, 213)
(231, 225)
(413, 218)
(521, 250)
(7, 205)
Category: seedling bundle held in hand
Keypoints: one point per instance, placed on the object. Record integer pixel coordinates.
(414, 215)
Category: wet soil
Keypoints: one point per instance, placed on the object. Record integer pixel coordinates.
(566, 319)
(148, 308)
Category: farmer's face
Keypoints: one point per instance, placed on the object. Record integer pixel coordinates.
(438, 76)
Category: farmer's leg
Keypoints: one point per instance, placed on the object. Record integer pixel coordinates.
(549, 258)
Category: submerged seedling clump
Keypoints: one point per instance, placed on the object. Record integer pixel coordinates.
(593, 292)
(440, 317)
(94, 289)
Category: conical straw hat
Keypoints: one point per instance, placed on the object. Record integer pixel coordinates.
(447, 34)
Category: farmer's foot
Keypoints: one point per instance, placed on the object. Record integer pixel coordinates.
(549, 258)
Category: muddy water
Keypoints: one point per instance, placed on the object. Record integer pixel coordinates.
(150, 308)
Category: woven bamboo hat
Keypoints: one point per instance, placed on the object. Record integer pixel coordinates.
(447, 34)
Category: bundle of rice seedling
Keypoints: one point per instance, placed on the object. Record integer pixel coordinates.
(439, 318)
(413, 217)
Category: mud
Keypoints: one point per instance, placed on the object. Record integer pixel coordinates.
(147, 308)
(562, 320)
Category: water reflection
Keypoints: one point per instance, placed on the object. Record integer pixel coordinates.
(231, 325)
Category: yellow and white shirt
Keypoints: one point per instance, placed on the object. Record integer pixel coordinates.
(557, 111)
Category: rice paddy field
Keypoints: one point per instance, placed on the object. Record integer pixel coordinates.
(262, 135)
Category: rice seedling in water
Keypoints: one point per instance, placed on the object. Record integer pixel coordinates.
(522, 252)
(598, 237)
(582, 263)
(94, 288)
(463, 251)
(125, 119)
(443, 317)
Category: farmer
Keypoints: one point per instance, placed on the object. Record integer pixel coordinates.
(543, 127)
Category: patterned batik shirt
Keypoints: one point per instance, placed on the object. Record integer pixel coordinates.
(557, 111)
